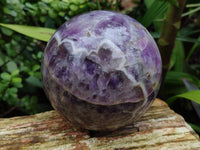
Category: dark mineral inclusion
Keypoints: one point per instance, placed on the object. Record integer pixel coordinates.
(101, 70)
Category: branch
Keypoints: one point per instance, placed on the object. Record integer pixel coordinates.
(170, 28)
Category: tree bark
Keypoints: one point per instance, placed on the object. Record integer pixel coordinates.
(159, 128)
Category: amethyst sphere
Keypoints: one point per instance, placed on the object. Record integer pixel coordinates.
(101, 70)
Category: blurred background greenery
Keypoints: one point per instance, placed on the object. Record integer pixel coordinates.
(21, 90)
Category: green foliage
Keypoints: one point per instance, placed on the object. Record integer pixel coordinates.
(192, 95)
(178, 56)
(156, 10)
(179, 67)
(194, 47)
(48, 13)
(20, 56)
(194, 8)
(195, 127)
(38, 33)
(191, 87)
(9, 84)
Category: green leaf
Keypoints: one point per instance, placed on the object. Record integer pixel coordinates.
(180, 55)
(11, 66)
(12, 91)
(3, 87)
(16, 81)
(173, 84)
(36, 67)
(39, 33)
(191, 95)
(52, 14)
(15, 73)
(172, 60)
(98, 5)
(9, 12)
(157, 9)
(73, 7)
(174, 77)
(10, 96)
(195, 127)
(194, 47)
(7, 31)
(148, 3)
(34, 81)
(92, 5)
(188, 39)
(193, 5)
(6, 76)
(191, 87)
(191, 12)
(187, 31)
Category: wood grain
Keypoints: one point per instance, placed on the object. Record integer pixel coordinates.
(159, 128)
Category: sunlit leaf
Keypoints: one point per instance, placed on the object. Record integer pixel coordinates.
(173, 84)
(5, 76)
(15, 73)
(193, 5)
(190, 87)
(191, 95)
(191, 12)
(17, 82)
(39, 33)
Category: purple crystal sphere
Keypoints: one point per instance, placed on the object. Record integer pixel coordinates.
(101, 70)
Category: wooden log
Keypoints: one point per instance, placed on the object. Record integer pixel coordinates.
(159, 128)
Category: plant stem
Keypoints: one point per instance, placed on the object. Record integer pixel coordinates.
(9, 111)
(98, 5)
(116, 5)
(170, 28)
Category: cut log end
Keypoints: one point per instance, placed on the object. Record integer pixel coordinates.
(159, 128)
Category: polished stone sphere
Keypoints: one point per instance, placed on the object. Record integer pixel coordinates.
(101, 70)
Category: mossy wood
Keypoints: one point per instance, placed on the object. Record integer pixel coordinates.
(159, 128)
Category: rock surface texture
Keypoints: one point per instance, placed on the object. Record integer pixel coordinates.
(101, 65)
(158, 129)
